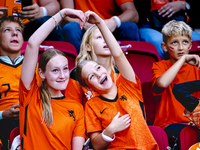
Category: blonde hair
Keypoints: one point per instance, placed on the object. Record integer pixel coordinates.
(11, 19)
(88, 55)
(174, 28)
(47, 114)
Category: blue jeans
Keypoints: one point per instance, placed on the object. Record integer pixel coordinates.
(56, 35)
(155, 37)
(127, 31)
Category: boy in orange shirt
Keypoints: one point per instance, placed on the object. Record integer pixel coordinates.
(11, 41)
(181, 67)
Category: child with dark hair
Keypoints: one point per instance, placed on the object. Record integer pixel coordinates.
(11, 40)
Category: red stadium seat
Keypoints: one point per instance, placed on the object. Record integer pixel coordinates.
(141, 56)
(13, 134)
(195, 48)
(150, 104)
(188, 137)
(65, 47)
(160, 136)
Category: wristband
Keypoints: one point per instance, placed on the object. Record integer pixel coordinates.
(107, 138)
(44, 11)
(117, 20)
(1, 117)
(61, 15)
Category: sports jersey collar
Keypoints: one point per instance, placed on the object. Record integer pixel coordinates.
(7, 60)
(58, 98)
(109, 100)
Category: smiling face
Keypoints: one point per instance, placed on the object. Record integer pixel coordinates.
(11, 38)
(56, 74)
(98, 43)
(177, 46)
(96, 77)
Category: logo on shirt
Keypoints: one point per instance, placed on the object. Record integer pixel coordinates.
(101, 112)
(123, 98)
(72, 114)
(88, 95)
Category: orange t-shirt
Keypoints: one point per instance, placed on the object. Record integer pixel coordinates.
(68, 119)
(157, 4)
(14, 7)
(80, 94)
(105, 9)
(9, 82)
(100, 111)
(170, 110)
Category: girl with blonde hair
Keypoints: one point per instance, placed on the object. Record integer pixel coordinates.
(93, 47)
(114, 119)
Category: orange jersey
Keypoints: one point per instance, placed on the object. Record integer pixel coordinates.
(9, 82)
(170, 110)
(100, 111)
(80, 94)
(105, 9)
(157, 4)
(68, 117)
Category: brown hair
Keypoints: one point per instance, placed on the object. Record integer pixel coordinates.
(11, 19)
(44, 93)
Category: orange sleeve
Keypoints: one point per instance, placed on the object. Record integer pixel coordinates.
(136, 86)
(79, 130)
(157, 71)
(23, 91)
(74, 91)
(93, 124)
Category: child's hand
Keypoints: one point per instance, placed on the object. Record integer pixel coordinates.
(92, 17)
(120, 123)
(193, 60)
(73, 13)
(12, 112)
